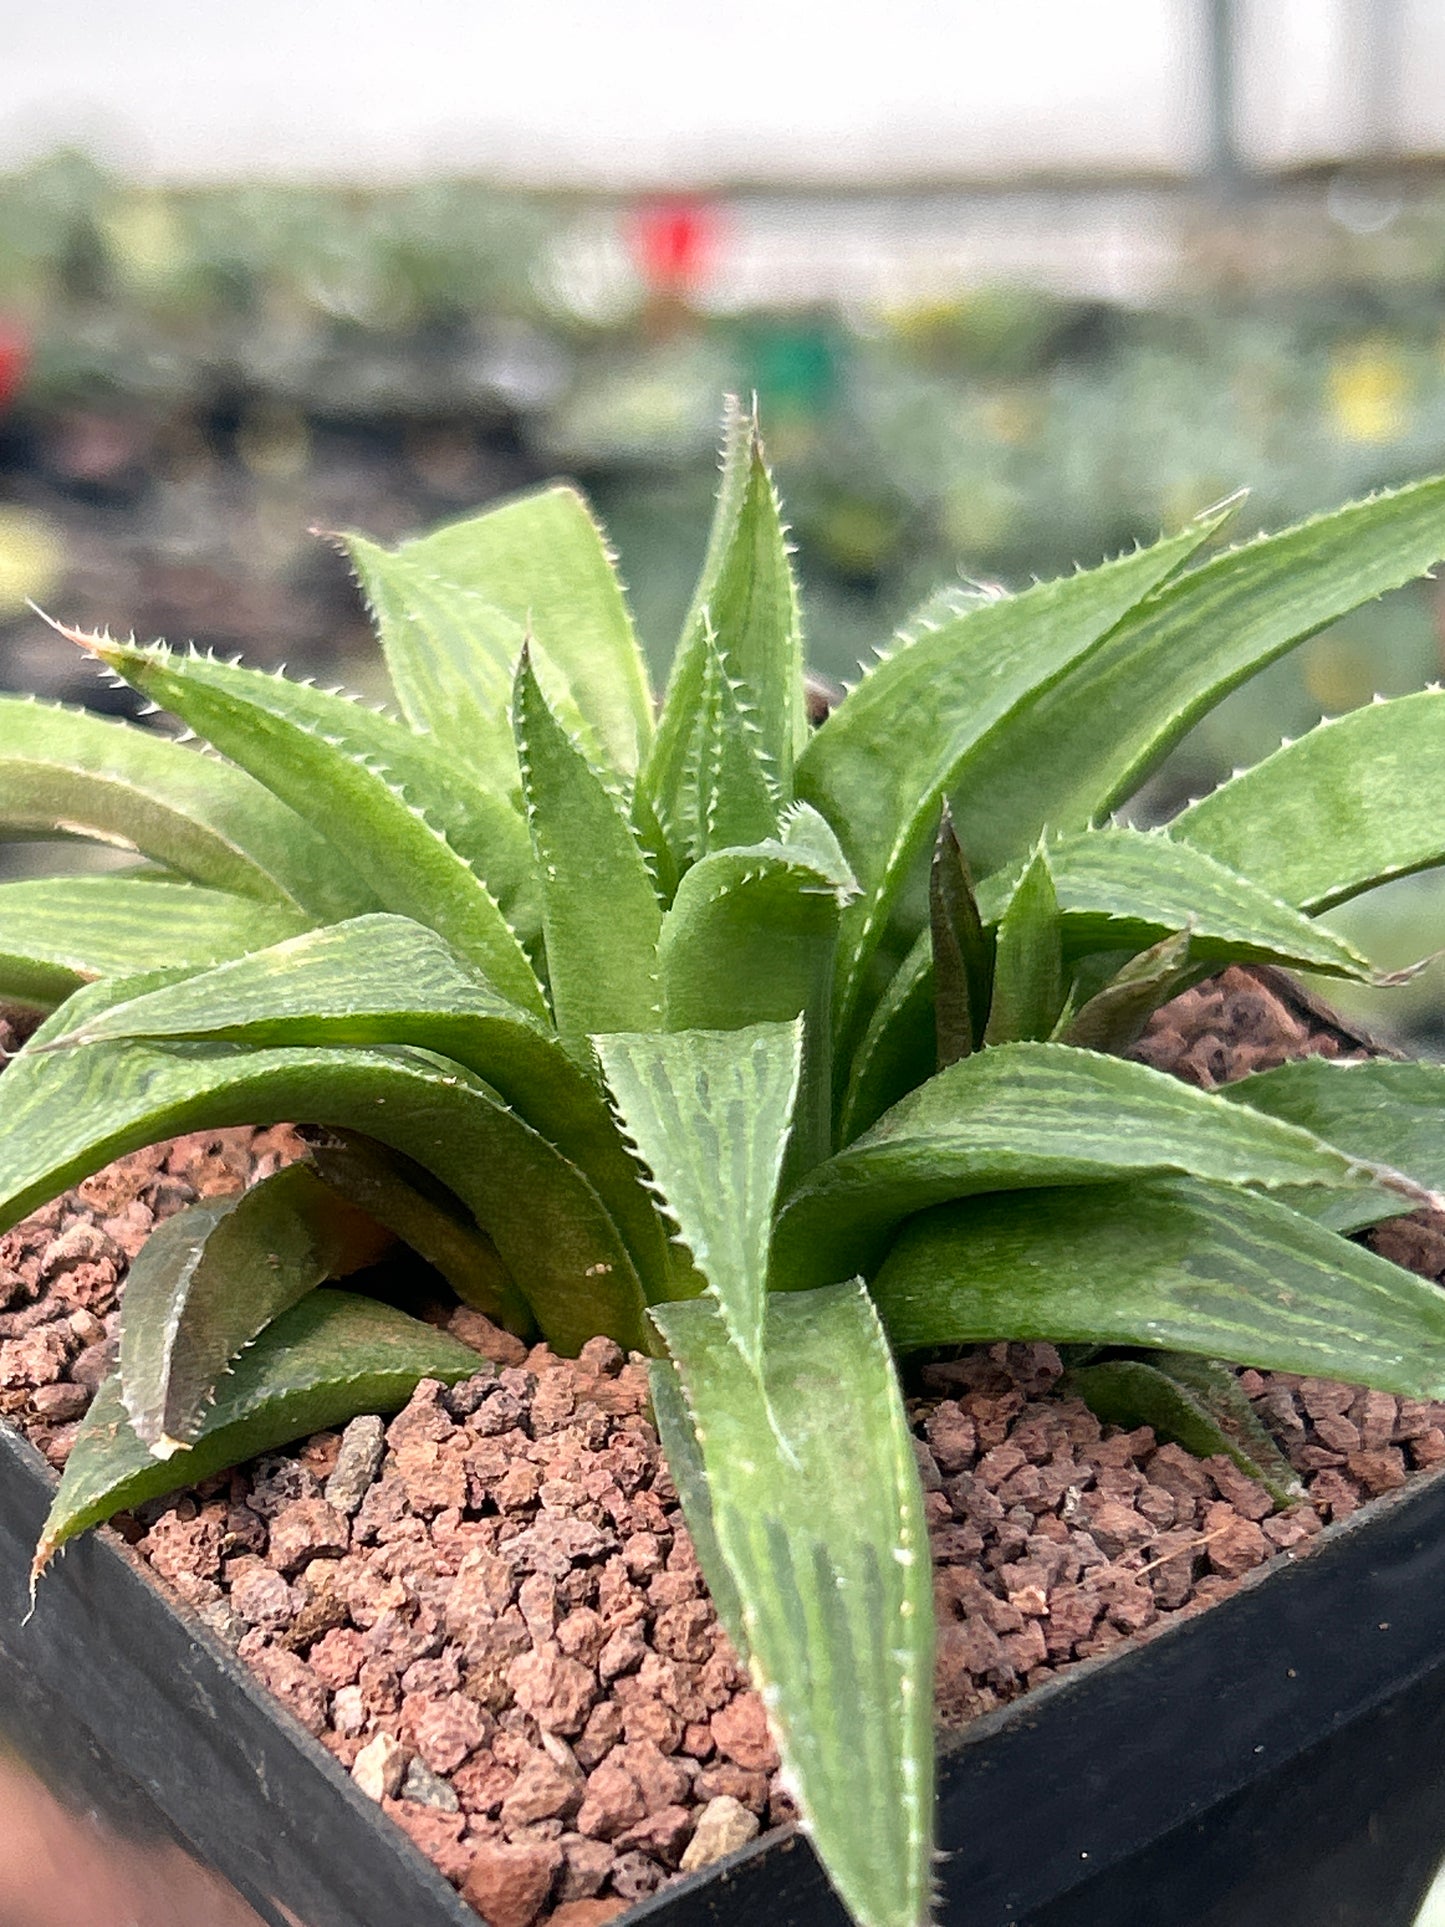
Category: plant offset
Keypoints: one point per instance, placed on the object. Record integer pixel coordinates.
(771, 1052)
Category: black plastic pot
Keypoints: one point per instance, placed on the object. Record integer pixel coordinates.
(1278, 1761)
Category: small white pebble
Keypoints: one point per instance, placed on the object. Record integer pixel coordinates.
(380, 1767)
(723, 1826)
(348, 1715)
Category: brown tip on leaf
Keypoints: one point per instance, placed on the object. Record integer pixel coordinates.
(1387, 979)
(44, 1553)
(72, 1040)
(1421, 1197)
(89, 640)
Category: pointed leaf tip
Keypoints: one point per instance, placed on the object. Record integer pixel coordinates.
(710, 1114)
(93, 641)
(1190, 1401)
(963, 951)
(212, 1277)
(331, 1356)
(600, 916)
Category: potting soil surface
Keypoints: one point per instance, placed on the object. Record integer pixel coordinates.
(488, 1609)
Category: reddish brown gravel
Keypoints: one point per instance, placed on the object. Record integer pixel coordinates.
(489, 1611)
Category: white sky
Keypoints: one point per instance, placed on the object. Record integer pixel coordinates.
(622, 86)
(628, 89)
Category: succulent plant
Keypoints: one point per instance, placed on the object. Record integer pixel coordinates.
(691, 1026)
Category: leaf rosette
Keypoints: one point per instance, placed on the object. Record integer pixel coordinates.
(774, 1054)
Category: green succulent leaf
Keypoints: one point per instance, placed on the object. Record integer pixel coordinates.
(689, 1475)
(1115, 1015)
(329, 1357)
(380, 981)
(71, 1112)
(59, 932)
(1196, 1403)
(1088, 739)
(261, 713)
(1388, 1113)
(665, 772)
(709, 1113)
(746, 608)
(653, 843)
(727, 797)
(962, 951)
(1115, 892)
(1029, 984)
(64, 772)
(752, 607)
(1124, 889)
(86, 1003)
(1024, 1116)
(212, 1277)
(1169, 1263)
(397, 1193)
(751, 939)
(600, 915)
(830, 1575)
(739, 425)
(1344, 808)
(453, 607)
(388, 800)
(450, 654)
(899, 1049)
(881, 765)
